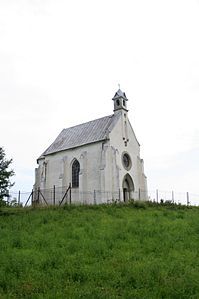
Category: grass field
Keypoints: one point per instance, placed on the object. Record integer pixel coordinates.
(116, 251)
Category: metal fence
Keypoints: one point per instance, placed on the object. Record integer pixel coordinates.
(62, 195)
(185, 198)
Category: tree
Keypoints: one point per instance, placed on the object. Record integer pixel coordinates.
(5, 175)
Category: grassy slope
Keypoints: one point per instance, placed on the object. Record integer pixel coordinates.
(99, 252)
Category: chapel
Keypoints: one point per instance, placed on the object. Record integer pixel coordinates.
(99, 161)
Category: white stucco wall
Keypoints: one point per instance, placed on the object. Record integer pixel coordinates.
(59, 170)
(123, 139)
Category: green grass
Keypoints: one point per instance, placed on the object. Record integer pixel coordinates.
(116, 251)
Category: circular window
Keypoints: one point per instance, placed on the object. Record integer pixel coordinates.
(126, 160)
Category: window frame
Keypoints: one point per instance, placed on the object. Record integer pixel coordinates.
(126, 155)
(75, 173)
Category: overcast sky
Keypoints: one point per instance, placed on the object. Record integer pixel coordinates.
(60, 65)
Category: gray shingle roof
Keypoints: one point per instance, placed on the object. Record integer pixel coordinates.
(92, 131)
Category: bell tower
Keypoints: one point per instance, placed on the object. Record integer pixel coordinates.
(120, 101)
(120, 107)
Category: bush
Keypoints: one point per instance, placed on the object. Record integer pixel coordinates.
(138, 204)
(3, 203)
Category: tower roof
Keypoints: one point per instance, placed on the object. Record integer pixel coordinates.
(120, 94)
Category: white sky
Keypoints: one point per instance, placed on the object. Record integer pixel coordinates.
(60, 65)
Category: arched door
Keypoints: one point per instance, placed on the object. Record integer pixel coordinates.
(128, 188)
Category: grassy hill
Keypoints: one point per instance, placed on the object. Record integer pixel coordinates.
(116, 251)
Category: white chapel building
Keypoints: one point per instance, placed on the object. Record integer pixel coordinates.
(99, 160)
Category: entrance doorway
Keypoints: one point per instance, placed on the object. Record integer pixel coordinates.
(128, 188)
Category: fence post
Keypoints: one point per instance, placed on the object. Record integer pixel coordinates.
(70, 193)
(172, 196)
(188, 199)
(157, 195)
(94, 196)
(38, 192)
(19, 195)
(119, 195)
(54, 195)
(139, 193)
(32, 197)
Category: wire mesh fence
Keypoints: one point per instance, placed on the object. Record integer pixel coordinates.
(67, 195)
(61, 195)
(184, 198)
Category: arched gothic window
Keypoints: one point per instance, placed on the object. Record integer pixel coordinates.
(75, 174)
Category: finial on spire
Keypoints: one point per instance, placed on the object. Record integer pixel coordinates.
(119, 85)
